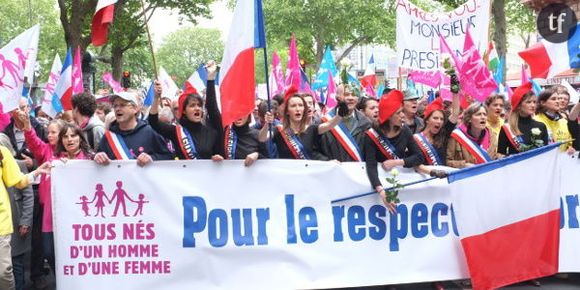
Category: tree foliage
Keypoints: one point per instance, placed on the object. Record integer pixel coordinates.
(128, 29)
(339, 23)
(185, 49)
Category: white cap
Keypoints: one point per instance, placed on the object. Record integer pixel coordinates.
(127, 96)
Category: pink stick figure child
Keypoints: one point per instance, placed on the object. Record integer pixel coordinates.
(85, 204)
(140, 203)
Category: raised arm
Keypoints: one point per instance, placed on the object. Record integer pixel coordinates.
(342, 111)
(455, 109)
(263, 135)
(157, 100)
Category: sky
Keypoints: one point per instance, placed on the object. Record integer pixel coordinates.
(165, 21)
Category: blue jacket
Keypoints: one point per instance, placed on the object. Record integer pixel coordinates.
(141, 139)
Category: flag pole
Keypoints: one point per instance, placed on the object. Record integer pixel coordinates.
(262, 30)
(150, 40)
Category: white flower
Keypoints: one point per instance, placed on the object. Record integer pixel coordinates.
(536, 131)
(345, 62)
(394, 172)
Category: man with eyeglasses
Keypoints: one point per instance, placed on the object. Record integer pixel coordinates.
(130, 138)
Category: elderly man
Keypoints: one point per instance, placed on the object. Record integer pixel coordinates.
(344, 141)
(129, 137)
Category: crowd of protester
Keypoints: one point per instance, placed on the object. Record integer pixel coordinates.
(400, 129)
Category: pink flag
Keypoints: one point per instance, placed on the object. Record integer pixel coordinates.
(475, 78)
(370, 91)
(77, 73)
(509, 91)
(429, 78)
(277, 85)
(524, 77)
(293, 69)
(446, 52)
(108, 78)
(331, 93)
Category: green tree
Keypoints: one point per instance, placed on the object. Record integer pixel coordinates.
(128, 28)
(185, 49)
(340, 23)
(520, 20)
(15, 18)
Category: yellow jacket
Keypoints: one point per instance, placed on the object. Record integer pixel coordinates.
(557, 130)
(11, 176)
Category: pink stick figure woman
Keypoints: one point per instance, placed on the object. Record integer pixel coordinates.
(12, 68)
(100, 198)
(140, 204)
(85, 205)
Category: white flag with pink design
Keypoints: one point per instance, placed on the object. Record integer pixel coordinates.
(50, 86)
(15, 57)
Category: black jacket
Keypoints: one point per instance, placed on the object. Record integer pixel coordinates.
(247, 137)
(332, 149)
(405, 148)
(40, 132)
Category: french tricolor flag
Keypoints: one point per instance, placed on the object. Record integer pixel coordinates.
(547, 59)
(198, 79)
(237, 80)
(61, 98)
(369, 78)
(509, 231)
(104, 14)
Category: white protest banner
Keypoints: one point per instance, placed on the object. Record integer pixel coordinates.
(418, 31)
(206, 225)
(569, 214)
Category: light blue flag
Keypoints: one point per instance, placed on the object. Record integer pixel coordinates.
(353, 80)
(327, 65)
(498, 74)
(380, 90)
(535, 87)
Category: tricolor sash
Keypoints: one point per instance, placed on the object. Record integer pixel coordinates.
(293, 143)
(383, 144)
(515, 140)
(474, 149)
(344, 138)
(185, 142)
(429, 152)
(230, 142)
(118, 146)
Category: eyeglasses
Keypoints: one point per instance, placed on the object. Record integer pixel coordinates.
(121, 105)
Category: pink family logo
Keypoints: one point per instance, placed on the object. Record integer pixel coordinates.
(11, 69)
(119, 198)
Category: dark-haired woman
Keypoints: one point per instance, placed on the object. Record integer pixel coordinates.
(240, 141)
(190, 137)
(548, 112)
(72, 143)
(472, 142)
(390, 143)
(295, 138)
(522, 130)
(432, 141)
